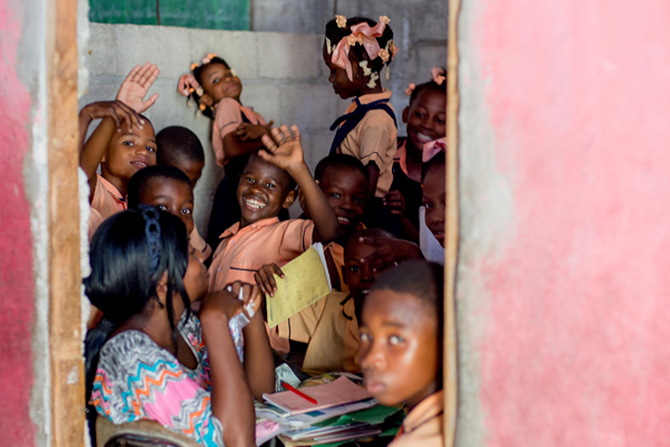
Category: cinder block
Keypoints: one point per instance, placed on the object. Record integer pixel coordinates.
(101, 55)
(311, 106)
(238, 48)
(264, 99)
(294, 16)
(295, 56)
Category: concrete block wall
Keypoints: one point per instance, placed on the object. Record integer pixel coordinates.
(283, 76)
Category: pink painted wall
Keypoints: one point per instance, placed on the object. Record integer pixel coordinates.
(16, 262)
(574, 347)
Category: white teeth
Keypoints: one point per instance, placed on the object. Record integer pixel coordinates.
(343, 220)
(139, 164)
(253, 203)
(423, 137)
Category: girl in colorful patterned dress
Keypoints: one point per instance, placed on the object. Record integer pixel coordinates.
(161, 362)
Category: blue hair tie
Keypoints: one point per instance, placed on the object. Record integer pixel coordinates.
(152, 231)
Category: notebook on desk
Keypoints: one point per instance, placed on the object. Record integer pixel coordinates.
(338, 392)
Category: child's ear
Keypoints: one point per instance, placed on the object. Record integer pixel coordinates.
(405, 114)
(290, 198)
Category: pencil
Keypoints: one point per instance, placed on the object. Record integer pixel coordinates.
(299, 393)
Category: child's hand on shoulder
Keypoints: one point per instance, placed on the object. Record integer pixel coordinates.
(395, 202)
(284, 148)
(135, 87)
(117, 110)
(248, 131)
(265, 279)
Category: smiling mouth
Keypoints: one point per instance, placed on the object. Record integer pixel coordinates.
(138, 164)
(254, 204)
(423, 137)
(343, 220)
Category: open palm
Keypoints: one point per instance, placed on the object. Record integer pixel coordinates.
(284, 147)
(135, 87)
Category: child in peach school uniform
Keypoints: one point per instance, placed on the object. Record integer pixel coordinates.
(426, 122)
(259, 238)
(236, 132)
(355, 51)
(401, 348)
(120, 146)
(181, 148)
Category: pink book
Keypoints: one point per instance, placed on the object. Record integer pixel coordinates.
(338, 392)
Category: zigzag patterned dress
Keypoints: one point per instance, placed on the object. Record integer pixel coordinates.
(137, 379)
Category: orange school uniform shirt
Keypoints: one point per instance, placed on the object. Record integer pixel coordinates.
(243, 251)
(423, 425)
(373, 139)
(228, 116)
(107, 200)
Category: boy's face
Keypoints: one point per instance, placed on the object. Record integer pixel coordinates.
(346, 191)
(173, 196)
(263, 191)
(434, 199)
(426, 118)
(219, 82)
(130, 150)
(192, 169)
(398, 351)
(359, 276)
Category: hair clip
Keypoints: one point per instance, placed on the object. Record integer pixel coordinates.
(384, 19)
(152, 231)
(194, 65)
(341, 21)
(329, 46)
(410, 88)
(439, 75)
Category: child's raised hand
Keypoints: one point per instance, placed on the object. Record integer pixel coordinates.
(389, 252)
(248, 131)
(283, 147)
(117, 110)
(136, 85)
(395, 202)
(186, 83)
(265, 279)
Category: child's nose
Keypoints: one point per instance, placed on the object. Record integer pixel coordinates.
(373, 358)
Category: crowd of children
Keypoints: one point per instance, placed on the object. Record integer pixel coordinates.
(177, 334)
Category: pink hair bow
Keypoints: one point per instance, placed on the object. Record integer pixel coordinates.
(360, 33)
(439, 75)
(432, 148)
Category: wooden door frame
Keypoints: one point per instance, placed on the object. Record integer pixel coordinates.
(67, 395)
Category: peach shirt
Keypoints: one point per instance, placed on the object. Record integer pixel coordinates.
(374, 139)
(243, 251)
(423, 425)
(228, 116)
(107, 200)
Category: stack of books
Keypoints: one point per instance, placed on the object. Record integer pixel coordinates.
(326, 414)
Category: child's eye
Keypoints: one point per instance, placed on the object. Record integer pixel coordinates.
(441, 121)
(428, 204)
(151, 149)
(127, 143)
(162, 207)
(335, 195)
(215, 81)
(186, 211)
(270, 186)
(249, 180)
(354, 268)
(365, 337)
(419, 114)
(359, 201)
(395, 340)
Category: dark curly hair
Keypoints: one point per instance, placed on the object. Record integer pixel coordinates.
(208, 111)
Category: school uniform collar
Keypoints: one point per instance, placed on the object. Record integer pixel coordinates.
(235, 228)
(113, 191)
(429, 408)
(371, 97)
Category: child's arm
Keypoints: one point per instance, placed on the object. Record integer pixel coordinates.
(265, 279)
(114, 114)
(394, 201)
(246, 139)
(288, 155)
(232, 402)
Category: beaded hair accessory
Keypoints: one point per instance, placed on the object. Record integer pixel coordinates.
(152, 232)
(365, 35)
(438, 75)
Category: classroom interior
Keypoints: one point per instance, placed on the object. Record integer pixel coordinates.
(557, 241)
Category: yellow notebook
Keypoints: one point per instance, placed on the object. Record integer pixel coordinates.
(305, 282)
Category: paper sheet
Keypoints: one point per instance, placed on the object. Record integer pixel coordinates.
(305, 282)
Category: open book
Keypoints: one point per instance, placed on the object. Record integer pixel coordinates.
(305, 281)
(338, 392)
